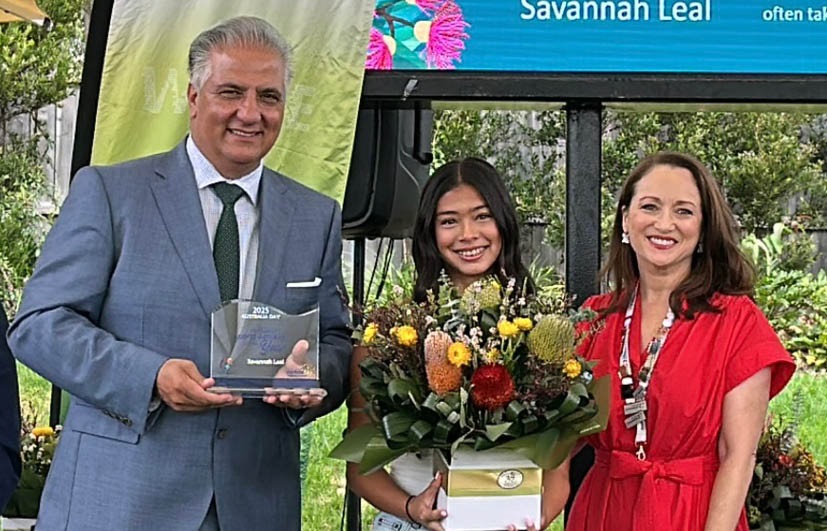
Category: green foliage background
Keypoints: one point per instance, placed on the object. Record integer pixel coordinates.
(38, 67)
(762, 159)
(793, 298)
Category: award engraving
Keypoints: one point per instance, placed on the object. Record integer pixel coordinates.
(257, 349)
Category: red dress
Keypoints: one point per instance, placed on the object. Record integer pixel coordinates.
(701, 361)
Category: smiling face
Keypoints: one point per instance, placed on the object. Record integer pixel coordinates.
(663, 220)
(467, 236)
(236, 116)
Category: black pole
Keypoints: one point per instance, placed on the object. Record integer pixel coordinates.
(583, 155)
(90, 82)
(353, 504)
(583, 152)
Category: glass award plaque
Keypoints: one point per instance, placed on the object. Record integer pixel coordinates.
(257, 349)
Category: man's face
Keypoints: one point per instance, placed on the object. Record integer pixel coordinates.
(235, 118)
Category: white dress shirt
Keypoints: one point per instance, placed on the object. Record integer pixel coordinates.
(245, 211)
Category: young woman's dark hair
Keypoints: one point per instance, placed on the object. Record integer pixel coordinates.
(485, 179)
(718, 266)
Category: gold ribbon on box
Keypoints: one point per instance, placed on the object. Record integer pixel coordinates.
(494, 482)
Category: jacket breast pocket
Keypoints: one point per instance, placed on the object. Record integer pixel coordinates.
(301, 298)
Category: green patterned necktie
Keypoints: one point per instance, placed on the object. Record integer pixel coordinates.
(225, 249)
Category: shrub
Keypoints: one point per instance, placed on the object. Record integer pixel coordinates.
(788, 487)
(794, 301)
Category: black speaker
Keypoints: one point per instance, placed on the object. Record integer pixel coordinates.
(388, 167)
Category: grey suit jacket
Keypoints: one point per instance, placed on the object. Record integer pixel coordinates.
(125, 281)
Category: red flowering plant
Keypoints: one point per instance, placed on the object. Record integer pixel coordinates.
(490, 368)
(788, 489)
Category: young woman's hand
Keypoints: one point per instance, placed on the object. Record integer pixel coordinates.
(420, 507)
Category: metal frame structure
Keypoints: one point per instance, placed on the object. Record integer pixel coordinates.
(579, 87)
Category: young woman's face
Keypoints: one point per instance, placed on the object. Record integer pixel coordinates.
(467, 236)
(664, 221)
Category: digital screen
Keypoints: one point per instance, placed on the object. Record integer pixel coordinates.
(618, 36)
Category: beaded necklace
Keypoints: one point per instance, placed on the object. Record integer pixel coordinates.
(635, 406)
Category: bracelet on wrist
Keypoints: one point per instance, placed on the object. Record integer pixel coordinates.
(408, 511)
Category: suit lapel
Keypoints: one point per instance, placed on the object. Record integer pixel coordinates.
(275, 216)
(176, 195)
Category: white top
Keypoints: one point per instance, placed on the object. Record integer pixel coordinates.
(413, 473)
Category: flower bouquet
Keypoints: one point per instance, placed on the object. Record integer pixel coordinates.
(489, 369)
(788, 489)
(37, 447)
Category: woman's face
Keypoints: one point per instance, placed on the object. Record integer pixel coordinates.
(663, 220)
(467, 236)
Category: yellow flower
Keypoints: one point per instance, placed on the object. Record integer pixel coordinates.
(507, 329)
(406, 336)
(573, 368)
(43, 431)
(370, 333)
(523, 323)
(492, 355)
(458, 354)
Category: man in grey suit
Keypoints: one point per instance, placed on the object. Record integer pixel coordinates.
(118, 313)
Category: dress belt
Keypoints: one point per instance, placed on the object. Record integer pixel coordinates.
(649, 513)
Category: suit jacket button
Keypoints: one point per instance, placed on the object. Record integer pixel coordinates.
(127, 422)
(221, 434)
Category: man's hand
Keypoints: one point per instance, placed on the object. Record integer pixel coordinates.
(293, 401)
(294, 365)
(183, 388)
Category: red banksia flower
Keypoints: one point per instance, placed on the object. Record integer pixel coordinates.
(492, 387)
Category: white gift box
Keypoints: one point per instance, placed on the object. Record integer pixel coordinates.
(490, 490)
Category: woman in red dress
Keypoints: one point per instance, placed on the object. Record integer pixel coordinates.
(693, 362)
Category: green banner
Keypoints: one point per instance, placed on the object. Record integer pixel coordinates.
(143, 108)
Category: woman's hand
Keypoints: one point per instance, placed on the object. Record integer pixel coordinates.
(530, 526)
(420, 507)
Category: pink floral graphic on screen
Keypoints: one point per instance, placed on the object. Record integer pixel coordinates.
(380, 56)
(446, 37)
(416, 34)
(428, 6)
